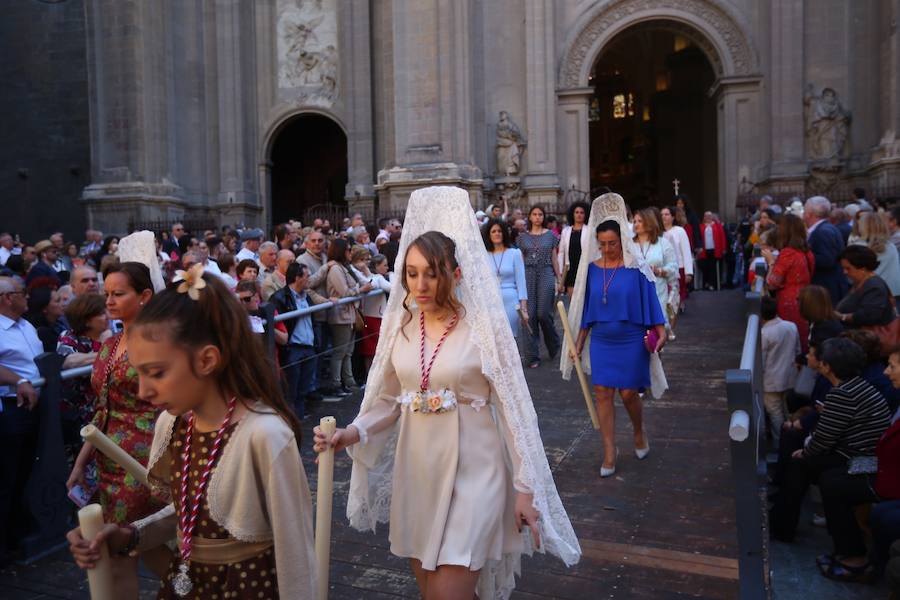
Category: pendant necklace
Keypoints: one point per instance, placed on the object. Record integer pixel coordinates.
(498, 266)
(181, 583)
(426, 370)
(607, 284)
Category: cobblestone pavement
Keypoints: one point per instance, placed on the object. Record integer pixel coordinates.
(660, 528)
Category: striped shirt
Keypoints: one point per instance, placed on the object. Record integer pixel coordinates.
(852, 421)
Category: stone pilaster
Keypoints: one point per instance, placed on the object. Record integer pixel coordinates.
(737, 104)
(237, 199)
(573, 146)
(432, 101)
(128, 88)
(541, 179)
(786, 84)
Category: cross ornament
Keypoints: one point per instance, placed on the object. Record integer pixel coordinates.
(675, 184)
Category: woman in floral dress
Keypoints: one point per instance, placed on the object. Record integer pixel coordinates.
(120, 414)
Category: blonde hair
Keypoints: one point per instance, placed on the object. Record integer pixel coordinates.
(359, 253)
(874, 230)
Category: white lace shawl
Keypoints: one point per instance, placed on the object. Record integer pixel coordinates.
(447, 209)
(608, 207)
(140, 246)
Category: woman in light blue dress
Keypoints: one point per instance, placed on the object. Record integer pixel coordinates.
(507, 263)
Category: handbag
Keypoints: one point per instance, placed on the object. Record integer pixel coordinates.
(359, 324)
(806, 381)
(651, 340)
(862, 465)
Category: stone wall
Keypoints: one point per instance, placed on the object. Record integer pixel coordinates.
(45, 150)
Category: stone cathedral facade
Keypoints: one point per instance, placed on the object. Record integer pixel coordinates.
(255, 111)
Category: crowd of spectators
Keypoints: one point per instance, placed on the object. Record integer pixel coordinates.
(831, 376)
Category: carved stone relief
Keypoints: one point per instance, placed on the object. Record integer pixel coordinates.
(827, 129)
(510, 146)
(307, 51)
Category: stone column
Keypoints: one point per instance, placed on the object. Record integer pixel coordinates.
(237, 199)
(737, 107)
(786, 83)
(355, 86)
(572, 110)
(432, 101)
(128, 85)
(541, 179)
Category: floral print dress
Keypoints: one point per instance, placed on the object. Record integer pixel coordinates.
(76, 406)
(128, 421)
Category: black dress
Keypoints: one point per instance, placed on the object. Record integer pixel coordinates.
(574, 256)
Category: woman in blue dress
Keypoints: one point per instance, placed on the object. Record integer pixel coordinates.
(619, 309)
(507, 263)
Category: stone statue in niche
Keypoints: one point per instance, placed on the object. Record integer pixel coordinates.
(510, 146)
(827, 126)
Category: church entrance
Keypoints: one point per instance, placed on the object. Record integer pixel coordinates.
(651, 119)
(309, 170)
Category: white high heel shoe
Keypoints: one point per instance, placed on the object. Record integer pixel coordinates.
(642, 453)
(609, 471)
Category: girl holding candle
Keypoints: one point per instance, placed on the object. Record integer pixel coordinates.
(225, 451)
(446, 401)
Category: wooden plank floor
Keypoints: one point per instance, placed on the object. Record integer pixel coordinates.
(660, 528)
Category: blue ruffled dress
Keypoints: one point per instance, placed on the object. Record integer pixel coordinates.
(619, 358)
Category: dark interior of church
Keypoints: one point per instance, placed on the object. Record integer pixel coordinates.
(309, 169)
(651, 118)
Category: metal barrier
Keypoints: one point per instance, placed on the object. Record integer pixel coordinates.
(45, 491)
(748, 462)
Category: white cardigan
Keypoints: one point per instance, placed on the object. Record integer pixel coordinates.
(562, 256)
(678, 237)
(258, 492)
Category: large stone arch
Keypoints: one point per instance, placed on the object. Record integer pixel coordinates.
(720, 34)
(718, 31)
(270, 130)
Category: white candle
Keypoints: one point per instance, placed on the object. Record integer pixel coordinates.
(108, 447)
(100, 578)
(324, 489)
(582, 379)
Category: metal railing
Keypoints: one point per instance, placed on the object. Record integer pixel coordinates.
(748, 461)
(45, 492)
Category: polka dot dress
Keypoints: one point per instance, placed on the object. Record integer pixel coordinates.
(250, 579)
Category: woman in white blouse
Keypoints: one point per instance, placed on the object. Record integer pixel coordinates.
(374, 271)
(660, 255)
(678, 237)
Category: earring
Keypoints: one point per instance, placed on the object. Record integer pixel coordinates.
(140, 304)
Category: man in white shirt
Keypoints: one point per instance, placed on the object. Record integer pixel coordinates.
(780, 347)
(268, 255)
(7, 248)
(251, 239)
(19, 346)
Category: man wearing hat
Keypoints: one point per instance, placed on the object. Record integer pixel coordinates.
(250, 238)
(43, 267)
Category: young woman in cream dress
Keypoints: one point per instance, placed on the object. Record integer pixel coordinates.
(448, 421)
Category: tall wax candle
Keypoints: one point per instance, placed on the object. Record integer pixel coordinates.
(324, 490)
(108, 447)
(100, 578)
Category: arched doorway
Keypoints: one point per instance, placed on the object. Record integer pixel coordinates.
(651, 119)
(308, 169)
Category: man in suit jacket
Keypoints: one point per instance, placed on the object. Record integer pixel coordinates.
(827, 244)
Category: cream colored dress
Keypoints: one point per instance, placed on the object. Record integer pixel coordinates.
(453, 491)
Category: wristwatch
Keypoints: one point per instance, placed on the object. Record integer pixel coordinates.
(23, 380)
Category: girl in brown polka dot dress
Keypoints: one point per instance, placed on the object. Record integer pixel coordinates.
(224, 455)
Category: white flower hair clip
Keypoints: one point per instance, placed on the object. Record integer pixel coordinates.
(191, 281)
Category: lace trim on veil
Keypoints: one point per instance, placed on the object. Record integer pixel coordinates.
(608, 207)
(447, 209)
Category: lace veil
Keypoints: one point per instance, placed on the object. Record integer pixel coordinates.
(448, 210)
(140, 246)
(608, 207)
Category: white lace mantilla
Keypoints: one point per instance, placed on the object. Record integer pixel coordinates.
(447, 209)
(140, 246)
(608, 207)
